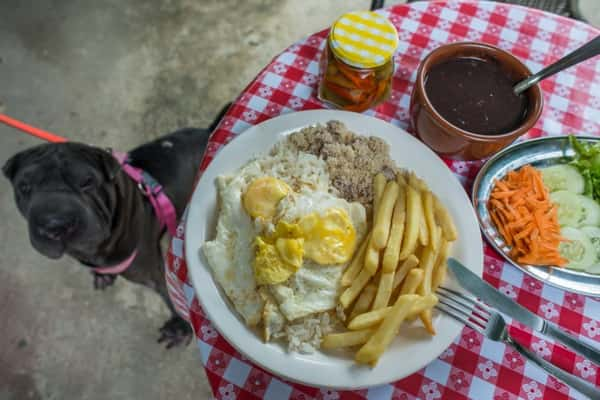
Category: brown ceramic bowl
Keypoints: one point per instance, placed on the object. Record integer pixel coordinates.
(449, 140)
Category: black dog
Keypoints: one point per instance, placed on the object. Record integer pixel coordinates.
(77, 200)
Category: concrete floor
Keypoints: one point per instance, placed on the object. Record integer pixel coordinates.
(115, 73)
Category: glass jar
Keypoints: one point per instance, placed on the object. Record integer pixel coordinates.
(357, 64)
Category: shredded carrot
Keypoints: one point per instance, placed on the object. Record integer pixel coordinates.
(521, 209)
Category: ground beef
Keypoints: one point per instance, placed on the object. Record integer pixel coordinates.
(352, 160)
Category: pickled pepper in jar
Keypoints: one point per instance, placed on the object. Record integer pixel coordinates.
(357, 64)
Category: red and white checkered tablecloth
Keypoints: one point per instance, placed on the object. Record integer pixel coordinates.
(472, 367)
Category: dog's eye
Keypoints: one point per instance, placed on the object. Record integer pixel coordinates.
(87, 183)
(24, 188)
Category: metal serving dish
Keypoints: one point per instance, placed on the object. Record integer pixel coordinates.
(539, 153)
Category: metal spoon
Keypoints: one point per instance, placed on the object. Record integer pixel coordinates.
(588, 50)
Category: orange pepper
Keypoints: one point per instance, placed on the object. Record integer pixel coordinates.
(362, 80)
(352, 95)
(362, 106)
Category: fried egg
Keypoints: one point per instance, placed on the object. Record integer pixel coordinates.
(231, 253)
(281, 227)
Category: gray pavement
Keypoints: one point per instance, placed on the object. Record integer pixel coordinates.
(115, 73)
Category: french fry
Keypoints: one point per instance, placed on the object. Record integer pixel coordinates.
(370, 352)
(441, 266)
(384, 290)
(417, 182)
(354, 290)
(363, 304)
(369, 319)
(357, 263)
(391, 254)
(373, 318)
(423, 230)
(345, 339)
(428, 260)
(420, 187)
(430, 219)
(378, 187)
(411, 262)
(401, 179)
(445, 220)
(383, 216)
(371, 258)
(412, 282)
(413, 221)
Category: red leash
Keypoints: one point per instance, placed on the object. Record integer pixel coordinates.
(31, 130)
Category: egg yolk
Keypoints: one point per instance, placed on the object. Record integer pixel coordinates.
(275, 263)
(262, 196)
(326, 239)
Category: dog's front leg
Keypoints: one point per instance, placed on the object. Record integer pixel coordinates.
(102, 281)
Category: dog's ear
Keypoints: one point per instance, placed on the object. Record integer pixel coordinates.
(107, 163)
(11, 166)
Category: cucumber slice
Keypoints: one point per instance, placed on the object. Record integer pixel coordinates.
(578, 249)
(591, 211)
(593, 232)
(570, 210)
(563, 177)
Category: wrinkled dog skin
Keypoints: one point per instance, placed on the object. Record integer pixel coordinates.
(77, 201)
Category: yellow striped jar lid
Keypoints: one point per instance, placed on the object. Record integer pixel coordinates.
(363, 39)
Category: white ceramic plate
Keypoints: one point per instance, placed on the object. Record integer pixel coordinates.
(413, 349)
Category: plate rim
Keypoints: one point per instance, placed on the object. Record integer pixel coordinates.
(321, 116)
(527, 269)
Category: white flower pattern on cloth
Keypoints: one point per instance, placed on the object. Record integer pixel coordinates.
(250, 115)
(549, 310)
(532, 390)
(279, 68)
(227, 392)
(208, 332)
(328, 394)
(586, 369)
(541, 348)
(509, 291)
(265, 91)
(309, 79)
(487, 369)
(591, 328)
(296, 102)
(431, 391)
(460, 167)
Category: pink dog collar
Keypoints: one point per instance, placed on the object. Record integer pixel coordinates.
(117, 269)
(163, 207)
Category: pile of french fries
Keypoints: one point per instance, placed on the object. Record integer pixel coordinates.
(397, 269)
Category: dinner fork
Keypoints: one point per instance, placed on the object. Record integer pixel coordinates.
(481, 318)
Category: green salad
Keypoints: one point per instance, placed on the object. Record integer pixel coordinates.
(575, 188)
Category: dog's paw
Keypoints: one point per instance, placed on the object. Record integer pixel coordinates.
(102, 281)
(175, 332)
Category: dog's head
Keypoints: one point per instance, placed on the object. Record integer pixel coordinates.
(66, 192)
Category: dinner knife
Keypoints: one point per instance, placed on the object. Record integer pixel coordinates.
(505, 304)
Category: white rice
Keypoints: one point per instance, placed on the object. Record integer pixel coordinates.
(304, 335)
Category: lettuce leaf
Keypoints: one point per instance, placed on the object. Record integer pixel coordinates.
(587, 161)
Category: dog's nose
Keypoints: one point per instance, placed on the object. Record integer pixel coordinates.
(56, 227)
